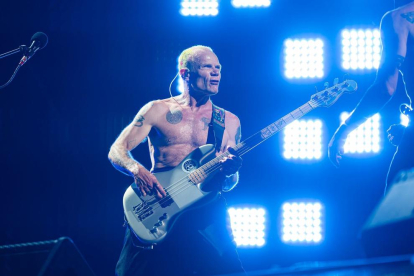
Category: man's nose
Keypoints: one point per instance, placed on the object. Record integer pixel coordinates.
(215, 72)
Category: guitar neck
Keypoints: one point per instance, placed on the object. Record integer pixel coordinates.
(251, 142)
(272, 129)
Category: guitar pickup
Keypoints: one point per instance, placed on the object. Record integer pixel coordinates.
(145, 215)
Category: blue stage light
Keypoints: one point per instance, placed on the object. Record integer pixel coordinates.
(303, 139)
(361, 49)
(302, 222)
(199, 7)
(364, 139)
(248, 226)
(304, 58)
(250, 3)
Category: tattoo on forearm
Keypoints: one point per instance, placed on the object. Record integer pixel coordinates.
(124, 164)
(238, 135)
(409, 16)
(206, 121)
(174, 117)
(131, 144)
(139, 121)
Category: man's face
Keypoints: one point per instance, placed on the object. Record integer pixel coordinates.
(206, 75)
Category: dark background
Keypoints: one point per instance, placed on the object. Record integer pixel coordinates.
(105, 59)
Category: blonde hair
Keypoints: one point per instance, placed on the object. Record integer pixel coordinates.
(188, 57)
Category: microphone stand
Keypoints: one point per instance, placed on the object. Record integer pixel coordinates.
(22, 48)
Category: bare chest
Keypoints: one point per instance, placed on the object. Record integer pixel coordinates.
(181, 128)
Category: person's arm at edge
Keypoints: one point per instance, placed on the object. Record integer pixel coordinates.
(394, 40)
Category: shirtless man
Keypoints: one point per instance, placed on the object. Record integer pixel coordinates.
(174, 128)
(397, 33)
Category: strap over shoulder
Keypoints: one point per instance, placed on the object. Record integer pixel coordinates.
(217, 125)
(219, 115)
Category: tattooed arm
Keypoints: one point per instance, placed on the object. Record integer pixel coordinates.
(394, 33)
(120, 152)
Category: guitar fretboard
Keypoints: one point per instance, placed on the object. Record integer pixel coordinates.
(242, 148)
(272, 129)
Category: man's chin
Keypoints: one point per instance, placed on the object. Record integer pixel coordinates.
(213, 91)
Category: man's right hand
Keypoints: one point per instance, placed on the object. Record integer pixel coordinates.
(336, 145)
(148, 183)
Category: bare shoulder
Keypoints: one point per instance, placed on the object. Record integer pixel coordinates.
(399, 19)
(232, 119)
(151, 111)
(233, 126)
(395, 30)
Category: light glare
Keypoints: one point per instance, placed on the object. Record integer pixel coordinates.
(364, 42)
(248, 226)
(303, 139)
(199, 7)
(302, 222)
(303, 58)
(251, 3)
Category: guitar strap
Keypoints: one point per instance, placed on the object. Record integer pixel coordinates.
(216, 127)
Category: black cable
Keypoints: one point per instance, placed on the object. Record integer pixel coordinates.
(12, 77)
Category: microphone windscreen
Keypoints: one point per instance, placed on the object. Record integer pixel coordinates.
(41, 39)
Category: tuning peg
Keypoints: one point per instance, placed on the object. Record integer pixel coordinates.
(336, 80)
(316, 89)
(326, 84)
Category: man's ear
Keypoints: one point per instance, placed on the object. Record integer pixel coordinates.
(184, 73)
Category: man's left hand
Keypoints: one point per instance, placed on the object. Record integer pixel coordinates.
(232, 163)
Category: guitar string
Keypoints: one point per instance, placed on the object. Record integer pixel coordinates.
(181, 184)
(185, 182)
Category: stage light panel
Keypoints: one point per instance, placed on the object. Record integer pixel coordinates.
(302, 222)
(361, 49)
(199, 7)
(364, 139)
(303, 58)
(248, 226)
(303, 140)
(251, 3)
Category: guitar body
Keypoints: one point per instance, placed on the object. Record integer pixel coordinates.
(150, 217)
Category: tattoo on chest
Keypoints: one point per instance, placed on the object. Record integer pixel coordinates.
(139, 121)
(409, 16)
(206, 121)
(174, 117)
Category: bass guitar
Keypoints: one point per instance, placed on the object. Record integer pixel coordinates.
(152, 218)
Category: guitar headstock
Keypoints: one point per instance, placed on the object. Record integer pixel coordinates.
(329, 96)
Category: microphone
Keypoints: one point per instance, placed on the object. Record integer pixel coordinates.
(39, 41)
